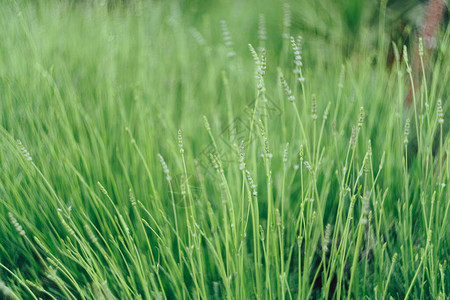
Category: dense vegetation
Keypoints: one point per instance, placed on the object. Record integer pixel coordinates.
(148, 151)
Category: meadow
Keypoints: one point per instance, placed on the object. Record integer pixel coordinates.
(221, 150)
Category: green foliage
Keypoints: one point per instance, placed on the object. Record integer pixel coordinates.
(307, 177)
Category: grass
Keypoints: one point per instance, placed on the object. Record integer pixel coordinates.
(147, 152)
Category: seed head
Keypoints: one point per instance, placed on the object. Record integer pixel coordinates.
(197, 36)
(251, 183)
(91, 235)
(334, 128)
(285, 155)
(405, 57)
(327, 110)
(277, 217)
(165, 168)
(420, 47)
(394, 257)
(365, 209)
(242, 165)
(326, 238)
(261, 233)
(102, 189)
(206, 124)
(132, 197)
(301, 153)
(133, 141)
(227, 38)
(297, 53)
(16, 224)
(299, 43)
(183, 185)
(353, 138)
(286, 88)
(440, 112)
(314, 107)
(367, 164)
(262, 27)
(216, 163)
(262, 31)
(406, 132)
(39, 242)
(266, 141)
(66, 226)
(180, 141)
(254, 55)
(308, 166)
(24, 151)
(361, 117)
(263, 62)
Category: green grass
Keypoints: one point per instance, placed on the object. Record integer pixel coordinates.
(139, 159)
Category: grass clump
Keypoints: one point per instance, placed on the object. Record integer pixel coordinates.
(154, 150)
